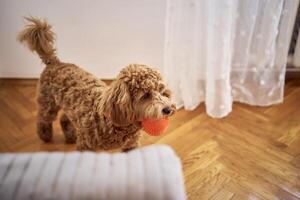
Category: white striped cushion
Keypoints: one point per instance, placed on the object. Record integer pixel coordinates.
(152, 172)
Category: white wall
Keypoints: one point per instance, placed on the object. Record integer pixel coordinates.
(101, 36)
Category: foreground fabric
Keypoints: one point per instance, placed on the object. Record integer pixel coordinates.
(218, 52)
(152, 173)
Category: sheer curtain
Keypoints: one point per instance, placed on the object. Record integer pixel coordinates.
(220, 51)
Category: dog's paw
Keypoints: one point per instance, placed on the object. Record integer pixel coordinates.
(128, 149)
(45, 132)
(70, 140)
(83, 147)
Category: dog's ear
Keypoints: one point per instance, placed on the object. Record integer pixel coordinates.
(118, 103)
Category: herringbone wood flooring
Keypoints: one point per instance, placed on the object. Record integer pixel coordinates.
(254, 153)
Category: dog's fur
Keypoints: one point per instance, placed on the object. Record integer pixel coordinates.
(94, 115)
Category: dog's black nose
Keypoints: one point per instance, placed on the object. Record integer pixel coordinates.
(167, 111)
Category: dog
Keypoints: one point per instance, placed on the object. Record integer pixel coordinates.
(95, 115)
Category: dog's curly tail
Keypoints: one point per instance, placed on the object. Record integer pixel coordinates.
(38, 36)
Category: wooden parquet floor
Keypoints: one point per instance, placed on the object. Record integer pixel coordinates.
(254, 153)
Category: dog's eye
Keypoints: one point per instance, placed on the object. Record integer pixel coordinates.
(146, 96)
(167, 93)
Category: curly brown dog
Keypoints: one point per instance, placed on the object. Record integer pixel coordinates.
(94, 115)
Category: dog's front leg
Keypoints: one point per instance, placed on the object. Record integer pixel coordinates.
(132, 142)
(84, 140)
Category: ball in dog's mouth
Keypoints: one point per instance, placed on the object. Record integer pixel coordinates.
(155, 127)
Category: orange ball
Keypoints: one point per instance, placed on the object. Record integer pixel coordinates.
(155, 127)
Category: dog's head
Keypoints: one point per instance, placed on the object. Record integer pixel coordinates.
(138, 92)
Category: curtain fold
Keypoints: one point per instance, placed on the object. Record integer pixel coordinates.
(218, 52)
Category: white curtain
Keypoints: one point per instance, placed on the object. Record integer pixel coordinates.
(296, 56)
(220, 51)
